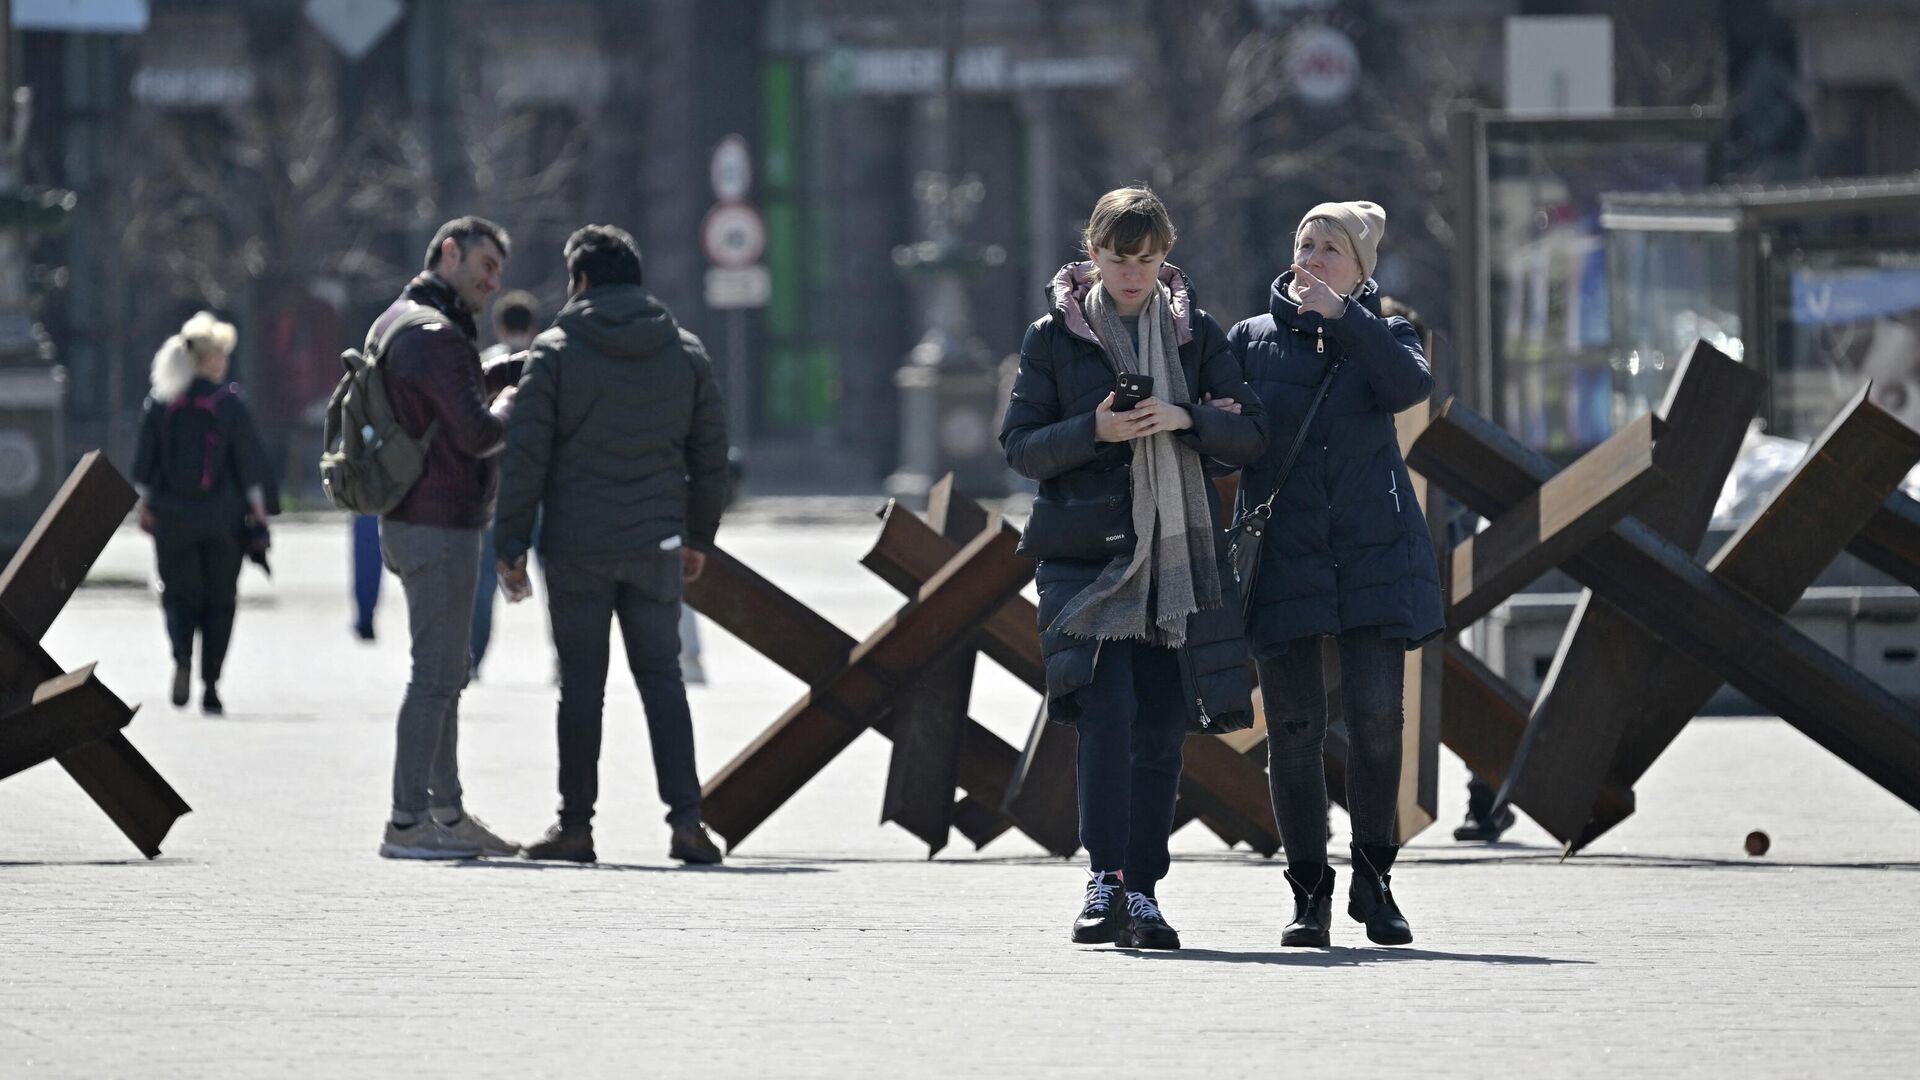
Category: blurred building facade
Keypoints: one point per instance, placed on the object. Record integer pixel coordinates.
(254, 157)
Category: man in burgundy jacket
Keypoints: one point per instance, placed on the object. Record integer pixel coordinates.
(432, 538)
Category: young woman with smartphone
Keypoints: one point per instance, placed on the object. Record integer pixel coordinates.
(1140, 625)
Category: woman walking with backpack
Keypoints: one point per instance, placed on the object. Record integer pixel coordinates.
(1122, 393)
(199, 471)
(1347, 555)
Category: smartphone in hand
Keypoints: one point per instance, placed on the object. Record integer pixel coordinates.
(1131, 390)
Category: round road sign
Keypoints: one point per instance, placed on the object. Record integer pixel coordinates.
(734, 235)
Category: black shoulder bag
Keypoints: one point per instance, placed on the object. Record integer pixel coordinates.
(1249, 529)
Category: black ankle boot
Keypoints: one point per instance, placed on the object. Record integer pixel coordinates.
(1370, 897)
(1312, 907)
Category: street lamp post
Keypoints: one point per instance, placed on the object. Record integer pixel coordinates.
(947, 383)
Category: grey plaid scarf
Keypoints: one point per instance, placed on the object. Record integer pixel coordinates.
(1171, 574)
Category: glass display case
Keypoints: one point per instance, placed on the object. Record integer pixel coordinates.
(1536, 278)
(1736, 266)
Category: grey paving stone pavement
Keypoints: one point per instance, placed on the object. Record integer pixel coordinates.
(270, 941)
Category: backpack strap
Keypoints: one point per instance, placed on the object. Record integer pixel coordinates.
(417, 315)
(375, 352)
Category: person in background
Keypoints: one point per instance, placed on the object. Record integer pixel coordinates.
(516, 318)
(366, 573)
(199, 471)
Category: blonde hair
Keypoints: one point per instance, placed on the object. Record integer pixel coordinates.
(179, 357)
(1336, 228)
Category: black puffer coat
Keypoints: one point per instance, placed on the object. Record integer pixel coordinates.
(1049, 436)
(1348, 546)
(619, 434)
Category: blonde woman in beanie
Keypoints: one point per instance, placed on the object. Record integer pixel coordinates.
(1347, 555)
(199, 471)
(1125, 390)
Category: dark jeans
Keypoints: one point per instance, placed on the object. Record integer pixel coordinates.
(199, 559)
(437, 567)
(1372, 671)
(489, 583)
(644, 593)
(366, 570)
(1132, 725)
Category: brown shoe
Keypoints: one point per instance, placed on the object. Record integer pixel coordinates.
(691, 844)
(563, 843)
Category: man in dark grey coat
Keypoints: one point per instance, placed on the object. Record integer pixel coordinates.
(619, 435)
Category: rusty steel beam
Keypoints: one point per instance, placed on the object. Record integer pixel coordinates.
(1484, 719)
(949, 607)
(1839, 486)
(909, 551)
(1578, 504)
(768, 620)
(69, 535)
(1890, 540)
(929, 722)
(1662, 588)
(1598, 674)
(907, 548)
(134, 796)
(60, 714)
(36, 584)
(1043, 791)
(813, 650)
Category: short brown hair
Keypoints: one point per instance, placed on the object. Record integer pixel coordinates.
(467, 231)
(1130, 220)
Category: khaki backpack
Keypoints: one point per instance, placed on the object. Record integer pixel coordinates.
(369, 462)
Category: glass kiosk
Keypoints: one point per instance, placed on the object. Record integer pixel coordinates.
(1779, 277)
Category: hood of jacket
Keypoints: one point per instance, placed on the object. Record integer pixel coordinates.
(1069, 289)
(622, 321)
(1287, 313)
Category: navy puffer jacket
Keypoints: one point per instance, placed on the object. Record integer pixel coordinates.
(1049, 436)
(1348, 546)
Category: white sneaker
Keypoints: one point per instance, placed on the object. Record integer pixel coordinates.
(472, 830)
(426, 840)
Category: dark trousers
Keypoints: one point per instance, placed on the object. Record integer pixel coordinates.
(436, 567)
(643, 593)
(199, 560)
(366, 570)
(1132, 725)
(1294, 689)
(1480, 797)
(481, 631)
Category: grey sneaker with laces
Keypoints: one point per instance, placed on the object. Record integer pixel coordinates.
(475, 831)
(426, 839)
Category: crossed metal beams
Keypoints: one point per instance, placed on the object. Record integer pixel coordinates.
(48, 713)
(1658, 632)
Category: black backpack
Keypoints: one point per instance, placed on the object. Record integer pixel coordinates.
(193, 443)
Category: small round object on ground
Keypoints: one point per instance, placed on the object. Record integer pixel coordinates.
(1758, 843)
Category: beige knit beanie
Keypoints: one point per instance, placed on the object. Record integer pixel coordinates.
(1365, 222)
